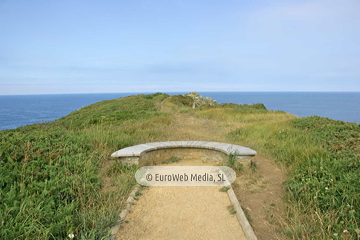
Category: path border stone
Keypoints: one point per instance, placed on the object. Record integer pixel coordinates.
(130, 200)
(244, 223)
(246, 227)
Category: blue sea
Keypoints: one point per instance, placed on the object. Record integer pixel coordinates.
(21, 110)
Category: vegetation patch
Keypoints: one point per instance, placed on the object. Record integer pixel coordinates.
(47, 178)
(199, 101)
(231, 163)
(328, 188)
(57, 178)
(224, 189)
(231, 209)
(181, 100)
(322, 156)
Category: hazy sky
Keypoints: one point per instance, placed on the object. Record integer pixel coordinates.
(178, 45)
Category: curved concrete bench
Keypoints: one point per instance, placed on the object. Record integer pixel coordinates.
(158, 152)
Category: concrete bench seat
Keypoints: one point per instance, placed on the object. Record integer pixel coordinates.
(157, 152)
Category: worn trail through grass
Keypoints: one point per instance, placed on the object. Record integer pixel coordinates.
(58, 178)
(185, 212)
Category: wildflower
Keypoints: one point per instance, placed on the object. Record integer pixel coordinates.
(326, 188)
(71, 235)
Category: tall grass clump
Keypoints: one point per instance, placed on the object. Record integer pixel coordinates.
(280, 141)
(47, 177)
(322, 157)
(328, 188)
(242, 115)
(57, 178)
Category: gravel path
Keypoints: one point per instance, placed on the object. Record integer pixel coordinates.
(181, 213)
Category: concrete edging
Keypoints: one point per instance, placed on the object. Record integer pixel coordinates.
(114, 230)
(246, 227)
(244, 223)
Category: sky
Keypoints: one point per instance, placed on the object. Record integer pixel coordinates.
(51, 47)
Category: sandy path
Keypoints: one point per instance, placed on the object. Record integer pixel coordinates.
(202, 212)
(181, 213)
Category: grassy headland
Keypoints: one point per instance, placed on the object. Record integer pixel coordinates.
(58, 179)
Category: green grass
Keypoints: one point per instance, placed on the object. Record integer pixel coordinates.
(57, 178)
(253, 166)
(322, 156)
(248, 217)
(329, 187)
(118, 111)
(231, 163)
(51, 180)
(47, 176)
(224, 189)
(231, 209)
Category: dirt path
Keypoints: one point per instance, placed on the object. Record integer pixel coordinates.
(202, 212)
(260, 193)
(181, 213)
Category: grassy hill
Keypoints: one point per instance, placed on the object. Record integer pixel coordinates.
(58, 179)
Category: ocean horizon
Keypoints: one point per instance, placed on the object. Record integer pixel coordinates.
(21, 110)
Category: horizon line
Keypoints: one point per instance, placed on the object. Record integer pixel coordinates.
(182, 92)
